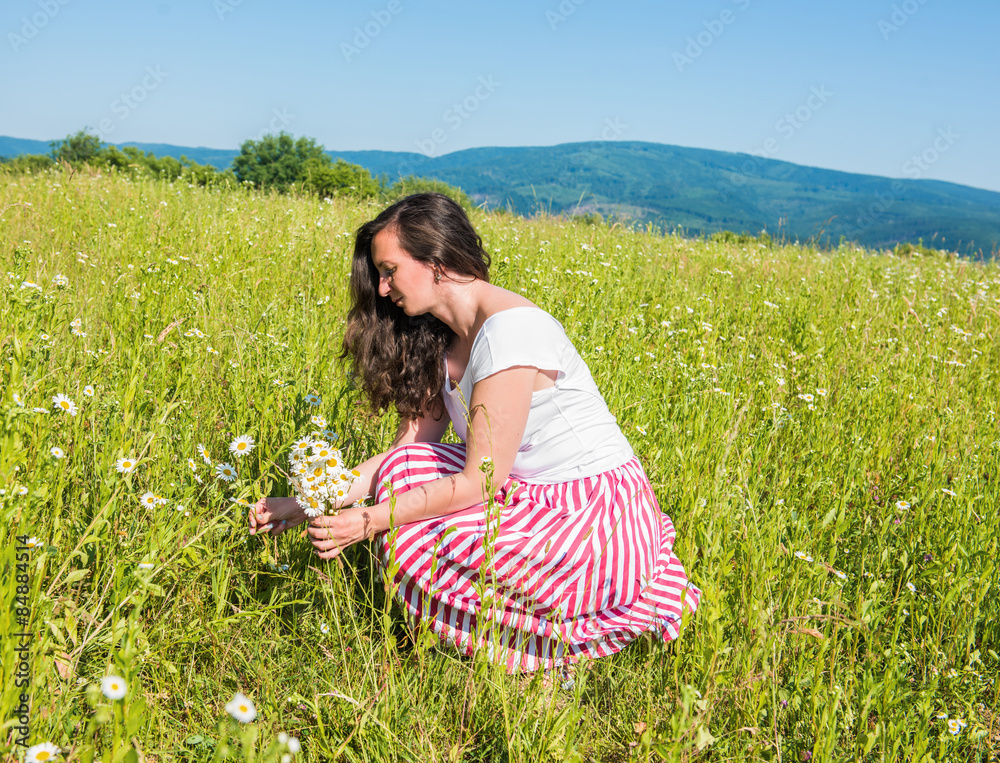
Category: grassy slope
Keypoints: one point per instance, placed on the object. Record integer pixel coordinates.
(703, 351)
(698, 190)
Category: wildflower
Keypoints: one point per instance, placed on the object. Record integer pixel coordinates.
(821, 392)
(18, 400)
(212, 350)
(32, 541)
(293, 745)
(41, 752)
(57, 453)
(63, 403)
(324, 628)
(44, 337)
(241, 708)
(203, 452)
(318, 421)
(912, 588)
(192, 465)
(145, 565)
(807, 397)
(225, 472)
(113, 687)
(313, 400)
(21, 490)
(242, 445)
(148, 500)
(803, 555)
(955, 726)
(125, 465)
(946, 491)
(30, 285)
(88, 391)
(902, 505)
(839, 574)
(60, 280)
(40, 410)
(781, 382)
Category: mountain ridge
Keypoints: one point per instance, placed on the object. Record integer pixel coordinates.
(699, 191)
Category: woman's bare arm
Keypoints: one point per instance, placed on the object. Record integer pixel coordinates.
(498, 415)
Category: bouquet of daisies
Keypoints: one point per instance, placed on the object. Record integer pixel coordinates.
(319, 478)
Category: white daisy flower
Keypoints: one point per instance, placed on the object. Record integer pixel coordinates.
(955, 726)
(41, 752)
(192, 465)
(242, 445)
(19, 400)
(946, 491)
(32, 541)
(807, 397)
(293, 745)
(803, 556)
(44, 337)
(63, 403)
(114, 687)
(21, 490)
(88, 391)
(902, 505)
(241, 708)
(313, 400)
(145, 565)
(910, 587)
(203, 452)
(318, 421)
(40, 410)
(148, 500)
(60, 280)
(225, 472)
(57, 453)
(839, 574)
(125, 465)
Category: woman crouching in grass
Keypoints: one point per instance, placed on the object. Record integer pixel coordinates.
(572, 551)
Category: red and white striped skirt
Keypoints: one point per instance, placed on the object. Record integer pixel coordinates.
(549, 574)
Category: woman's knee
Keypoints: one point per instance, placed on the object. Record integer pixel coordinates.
(406, 466)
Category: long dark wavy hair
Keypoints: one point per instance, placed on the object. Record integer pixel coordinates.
(398, 359)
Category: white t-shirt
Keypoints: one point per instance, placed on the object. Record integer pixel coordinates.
(570, 433)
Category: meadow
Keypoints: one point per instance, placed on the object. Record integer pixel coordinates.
(821, 426)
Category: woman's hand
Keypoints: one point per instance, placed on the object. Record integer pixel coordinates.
(331, 535)
(275, 515)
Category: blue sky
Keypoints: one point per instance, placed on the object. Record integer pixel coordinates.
(897, 88)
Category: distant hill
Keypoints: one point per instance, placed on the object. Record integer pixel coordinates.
(697, 190)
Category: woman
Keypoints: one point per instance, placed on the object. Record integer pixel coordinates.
(572, 555)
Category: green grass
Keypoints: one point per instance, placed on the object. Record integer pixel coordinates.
(704, 351)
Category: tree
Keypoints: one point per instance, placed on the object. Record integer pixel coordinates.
(277, 161)
(79, 148)
(339, 179)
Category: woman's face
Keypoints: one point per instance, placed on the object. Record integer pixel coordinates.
(404, 280)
